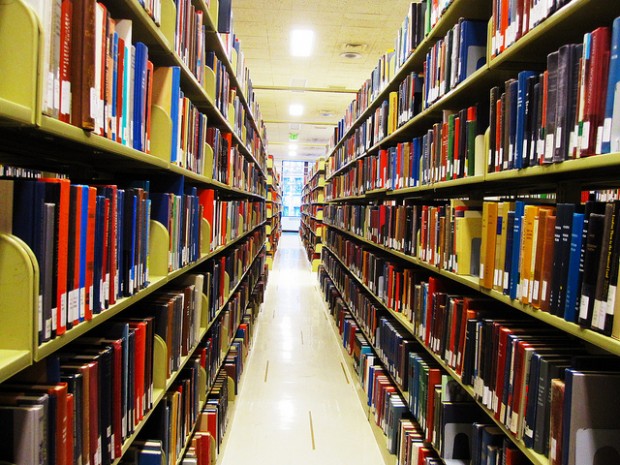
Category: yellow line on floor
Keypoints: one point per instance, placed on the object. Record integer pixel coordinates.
(266, 370)
(311, 430)
(344, 371)
(302, 336)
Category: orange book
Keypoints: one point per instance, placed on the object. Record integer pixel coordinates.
(537, 258)
(527, 239)
(547, 263)
(487, 248)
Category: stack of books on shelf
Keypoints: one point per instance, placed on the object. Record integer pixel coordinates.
(274, 210)
(312, 203)
(130, 278)
(470, 254)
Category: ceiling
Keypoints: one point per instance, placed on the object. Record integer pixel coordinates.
(263, 28)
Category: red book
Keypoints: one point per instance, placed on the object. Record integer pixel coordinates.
(62, 243)
(503, 24)
(113, 246)
(383, 163)
(90, 251)
(70, 432)
(139, 369)
(206, 198)
(434, 379)
(82, 55)
(434, 286)
(444, 151)
(498, 135)
(596, 87)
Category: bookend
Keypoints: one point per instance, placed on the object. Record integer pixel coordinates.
(21, 89)
(209, 84)
(168, 21)
(208, 162)
(161, 134)
(159, 241)
(19, 288)
(205, 237)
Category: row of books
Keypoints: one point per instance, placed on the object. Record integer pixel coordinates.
(189, 37)
(571, 110)
(534, 252)
(229, 219)
(230, 167)
(313, 210)
(467, 53)
(512, 20)
(446, 417)
(421, 17)
(226, 271)
(455, 57)
(80, 405)
(105, 83)
(91, 244)
(455, 327)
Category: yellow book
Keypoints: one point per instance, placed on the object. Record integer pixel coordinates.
(500, 245)
(527, 237)
(393, 113)
(468, 232)
(487, 248)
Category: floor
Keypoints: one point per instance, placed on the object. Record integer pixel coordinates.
(296, 405)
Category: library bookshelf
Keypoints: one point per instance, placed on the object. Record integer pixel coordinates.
(312, 201)
(370, 172)
(36, 141)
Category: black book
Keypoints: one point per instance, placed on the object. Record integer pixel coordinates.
(567, 229)
(600, 310)
(494, 95)
(593, 245)
(566, 81)
(540, 129)
(510, 122)
(529, 121)
(552, 97)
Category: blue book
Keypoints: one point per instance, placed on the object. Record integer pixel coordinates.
(82, 255)
(174, 113)
(511, 93)
(613, 80)
(572, 285)
(139, 96)
(161, 209)
(415, 175)
(516, 249)
(120, 212)
(510, 224)
(472, 49)
(521, 107)
(98, 261)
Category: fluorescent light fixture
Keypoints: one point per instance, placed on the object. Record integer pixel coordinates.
(302, 41)
(295, 109)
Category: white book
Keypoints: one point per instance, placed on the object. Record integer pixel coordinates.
(24, 427)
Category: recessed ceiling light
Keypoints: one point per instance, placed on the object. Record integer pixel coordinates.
(295, 109)
(302, 41)
(351, 55)
(292, 147)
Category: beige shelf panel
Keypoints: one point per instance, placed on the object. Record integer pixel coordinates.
(20, 36)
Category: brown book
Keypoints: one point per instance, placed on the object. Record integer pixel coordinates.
(543, 216)
(83, 59)
(555, 422)
(487, 249)
(547, 263)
